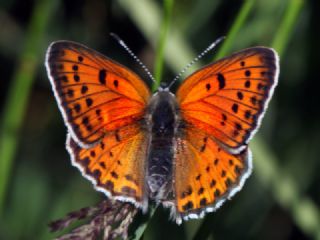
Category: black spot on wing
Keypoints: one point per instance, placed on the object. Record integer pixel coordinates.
(221, 80)
(102, 76)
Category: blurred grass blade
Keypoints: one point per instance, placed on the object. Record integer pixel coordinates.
(138, 229)
(177, 52)
(286, 27)
(19, 91)
(167, 11)
(202, 11)
(285, 191)
(235, 28)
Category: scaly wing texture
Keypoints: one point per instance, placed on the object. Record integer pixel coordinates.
(221, 107)
(205, 174)
(103, 104)
(94, 93)
(116, 166)
(227, 99)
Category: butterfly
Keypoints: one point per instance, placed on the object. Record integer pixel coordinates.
(187, 151)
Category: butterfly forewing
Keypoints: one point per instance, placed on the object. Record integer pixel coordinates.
(227, 99)
(95, 94)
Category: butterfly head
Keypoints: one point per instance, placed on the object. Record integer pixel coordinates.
(163, 87)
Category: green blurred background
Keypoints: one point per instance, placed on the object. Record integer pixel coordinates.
(281, 199)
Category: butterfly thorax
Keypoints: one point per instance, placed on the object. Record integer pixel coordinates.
(162, 122)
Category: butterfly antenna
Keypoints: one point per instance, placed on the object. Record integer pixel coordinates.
(125, 46)
(196, 59)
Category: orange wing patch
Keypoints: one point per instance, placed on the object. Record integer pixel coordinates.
(116, 165)
(95, 94)
(227, 99)
(205, 174)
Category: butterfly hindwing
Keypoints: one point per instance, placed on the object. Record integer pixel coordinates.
(205, 174)
(116, 165)
(227, 98)
(94, 93)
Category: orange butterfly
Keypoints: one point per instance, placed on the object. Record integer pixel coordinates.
(188, 152)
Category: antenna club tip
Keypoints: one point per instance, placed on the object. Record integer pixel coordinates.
(220, 39)
(216, 42)
(115, 36)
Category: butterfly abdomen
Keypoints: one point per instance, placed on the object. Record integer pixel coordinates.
(162, 110)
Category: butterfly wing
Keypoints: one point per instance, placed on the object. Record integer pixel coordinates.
(103, 105)
(221, 107)
(206, 174)
(94, 93)
(116, 166)
(227, 99)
